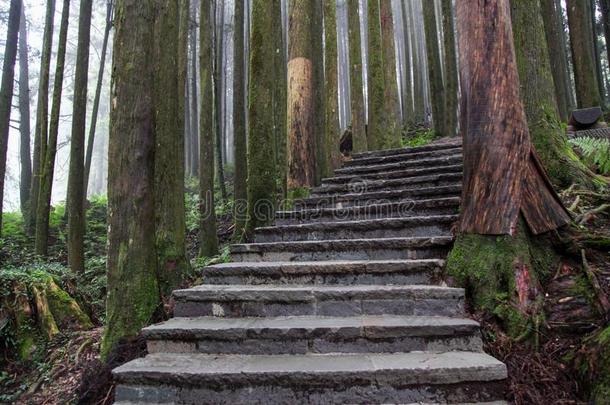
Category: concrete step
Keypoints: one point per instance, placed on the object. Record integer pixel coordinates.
(364, 186)
(438, 225)
(405, 195)
(398, 151)
(447, 160)
(394, 174)
(313, 334)
(322, 300)
(452, 377)
(399, 272)
(402, 157)
(437, 206)
(350, 249)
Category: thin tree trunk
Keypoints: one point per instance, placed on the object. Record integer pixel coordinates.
(451, 71)
(301, 97)
(183, 97)
(331, 87)
(391, 104)
(587, 87)
(194, 150)
(418, 67)
(25, 178)
(48, 163)
(96, 100)
(605, 10)
(435, 73)
(358, 117)
(218, 95)
(596, 51)
(187, 127)
(322, 156)
(240, 139)
(376, 128)
(407, 95)
(208, 239)
(280, 104)
(133, 288)
(6, 89)
(76, 197)
(42, 113)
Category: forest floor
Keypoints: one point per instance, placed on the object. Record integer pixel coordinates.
(549, 367)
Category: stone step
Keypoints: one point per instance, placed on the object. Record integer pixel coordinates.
(452, 377)
(408, 164)
(438, 225)
(437, 206)
(322, 300)
(364, 186)
(398, 151)
(402, 157)
(400, 272)
(394, 174)
(404, 195)
(313, 334)
(350, 249)
(419, 403)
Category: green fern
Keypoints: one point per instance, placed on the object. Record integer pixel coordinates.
(595, 150)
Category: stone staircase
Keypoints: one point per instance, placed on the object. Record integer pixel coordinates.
(340, 302)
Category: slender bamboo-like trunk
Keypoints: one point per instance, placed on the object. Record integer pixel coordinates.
(96, 100)
(76, 197)
(218, 94)
(208, 239)
(451, 71)
(194, 136)
(133, 289)
(25, 177)
(42, 113)
(358, 118)
(437, 88)
(391, 104)
(377, 124)
(48, 163)
(240, 139)
(331, 87)
(407, 94)
(6, 88)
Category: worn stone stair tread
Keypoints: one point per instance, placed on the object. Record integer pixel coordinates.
(370, 326)
(393, 174)
(422, 162)
(320, 369)
(400, 157)
(388, 152)
(310, 293)
(414, 403)
(367, 185)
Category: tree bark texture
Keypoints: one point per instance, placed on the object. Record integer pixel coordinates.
(319, 116)
(391, 104)
(219, 96)
(280, 104)
(592, 9)
(25, 178)
(331, 84)
(419, 83)
(502, 174)
(605, 10)
(451, 70)
(240, 139)
(407, 94)
(6, 88)
(194, 113)
(358, 117)
(376, 128)
(435, 68)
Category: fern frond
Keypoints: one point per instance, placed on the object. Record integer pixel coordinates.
(595, 150)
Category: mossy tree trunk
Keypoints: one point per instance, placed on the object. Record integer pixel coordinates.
(407, 93)
(25, 159)
(605, 10)
(240, 139)
(435, 68)
(42, 113)
(133, 287)
(6, 88)
(451, 73)
(48, 162)
(331, 78)
(170, 218)
(358, 118)
(262, 170)
(376, 128)
(302, 139)
(587, 86)
(391, 107)
(592, 10)
(76, 183)
(208, 238)
(538, 97)
(280, 104)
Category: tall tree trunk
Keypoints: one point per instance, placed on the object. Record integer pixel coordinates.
(133, 288)
(391, 104)
(280, 104)
(183, 96)
(194, 150)
(451, 72)
(208, 239)
(435, 72)
(302, 145)
(587, 87)
(96, 100)
(597, 51)
(76, 197)
(377, 127)
(331, 85)
(42, 113)
(419, 86)
(358, 117)
(553, 25)
(538, 98)
(6, 89)
(240, 139)
(262, 171)
(48, 163)
(170, 218)
(219, 95)
(319, 116)
(187, 121)
(407, 95)
(605, 10)
(25, 178)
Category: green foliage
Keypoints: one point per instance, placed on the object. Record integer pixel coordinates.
(200, 263)
(420, 137)
(595, 150)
